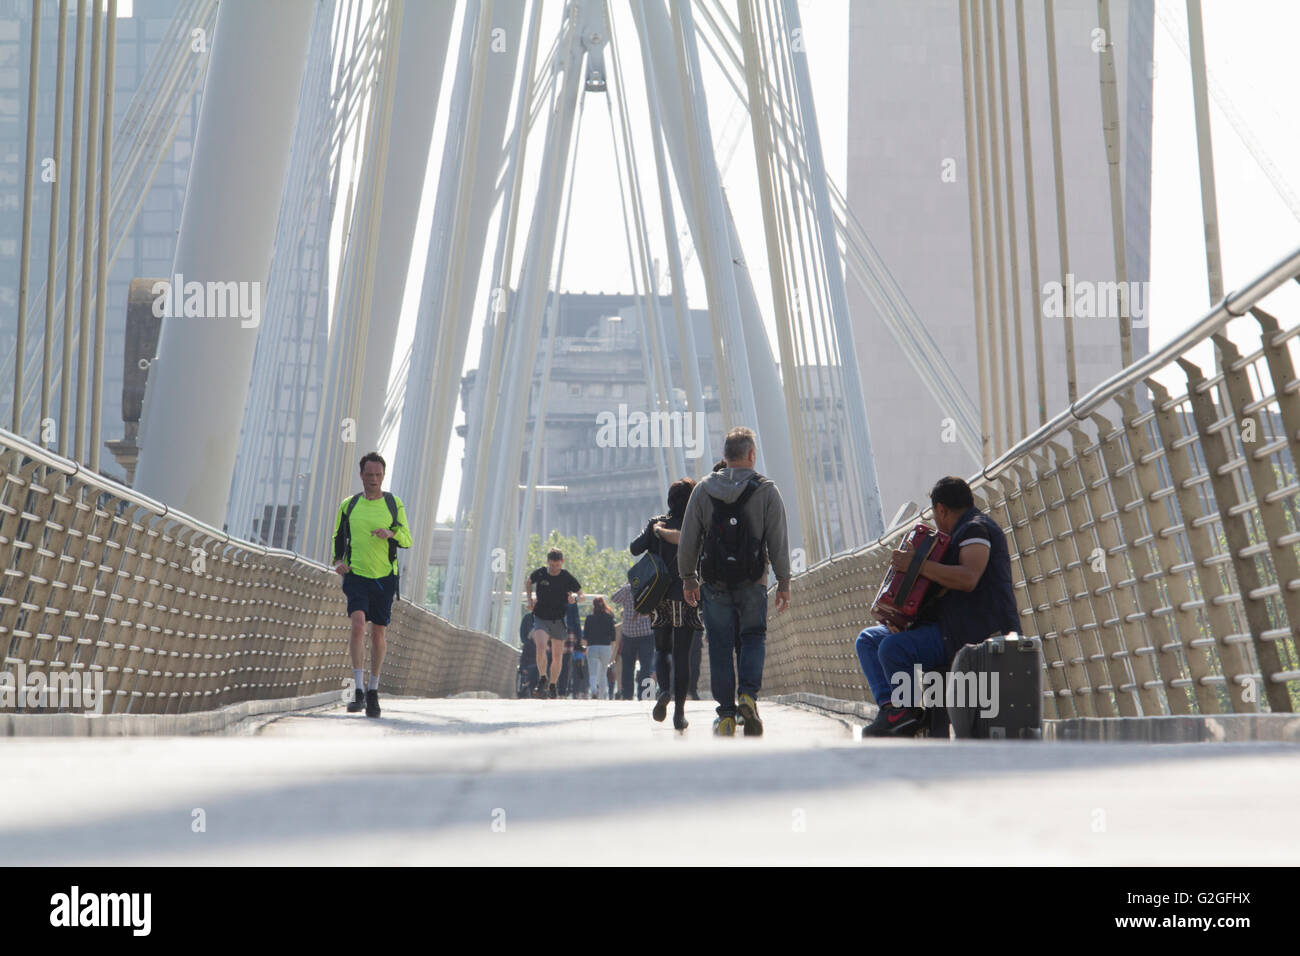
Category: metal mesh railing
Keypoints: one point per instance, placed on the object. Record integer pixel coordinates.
(1153, 528)
(174, 616)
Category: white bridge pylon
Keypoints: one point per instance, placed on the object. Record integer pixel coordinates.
(800, 418)
(792, 375)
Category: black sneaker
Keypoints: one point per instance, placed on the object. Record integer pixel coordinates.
(372, 703)
(661, 708)
(554, 693)
(679, 718)
(540, 691)
(358, 703)
(894, 721)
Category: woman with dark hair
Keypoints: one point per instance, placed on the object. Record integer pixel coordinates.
(675, 622)
(598, 632)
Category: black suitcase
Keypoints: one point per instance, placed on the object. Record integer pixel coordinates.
(1008, 678)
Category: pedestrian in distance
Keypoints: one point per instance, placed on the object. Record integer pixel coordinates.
(527, 680)
(734, 527)
(598, 633)
(573, 625)
(634, 644)
(371, 526)
(553, 585)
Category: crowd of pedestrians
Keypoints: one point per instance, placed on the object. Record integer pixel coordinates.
(715, 544)
(712, 551)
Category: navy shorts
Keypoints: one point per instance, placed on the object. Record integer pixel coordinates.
(374, 596)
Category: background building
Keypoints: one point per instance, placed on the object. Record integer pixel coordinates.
(597, 366)
(906, 122)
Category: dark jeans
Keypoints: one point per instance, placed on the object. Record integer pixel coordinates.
(735, 619)
(697, 645)
(636, 649)
(883, 653)
(672, 664)
(562, 685)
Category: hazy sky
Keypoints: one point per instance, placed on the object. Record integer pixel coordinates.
(1252, 57)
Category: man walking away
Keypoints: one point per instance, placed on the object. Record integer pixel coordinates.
(371, 526)
(554, 585)
(635, 642)
(733, 528)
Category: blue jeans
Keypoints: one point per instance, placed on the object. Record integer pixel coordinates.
(882, 653)
(734, 620)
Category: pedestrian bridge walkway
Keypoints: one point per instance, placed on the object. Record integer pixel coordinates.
(488, 781)
(1153, 526)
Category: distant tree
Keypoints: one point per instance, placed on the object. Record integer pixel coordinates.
(601, 570)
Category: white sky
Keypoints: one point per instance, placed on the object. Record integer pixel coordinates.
(1250, 51)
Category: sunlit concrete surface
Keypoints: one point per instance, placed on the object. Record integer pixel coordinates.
(472, 781)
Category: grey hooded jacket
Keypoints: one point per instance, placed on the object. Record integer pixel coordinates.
(765, 512)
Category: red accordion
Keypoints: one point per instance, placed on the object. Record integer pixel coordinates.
(902, 592)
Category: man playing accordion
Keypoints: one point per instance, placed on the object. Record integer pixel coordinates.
(976, 601)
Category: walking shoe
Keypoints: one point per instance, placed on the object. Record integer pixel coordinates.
(894, 721)
(679, 718)
(724, 727)
(661, 708)
(540, 692)
(372, 703)
(358, 703)
(748, 708)
(555, 694)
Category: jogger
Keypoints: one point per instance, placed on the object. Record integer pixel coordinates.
(371, 526)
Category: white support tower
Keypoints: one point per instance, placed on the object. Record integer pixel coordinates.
(199, 381)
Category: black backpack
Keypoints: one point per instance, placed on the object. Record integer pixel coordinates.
(732, 555)
(649, 579)
(343, 539)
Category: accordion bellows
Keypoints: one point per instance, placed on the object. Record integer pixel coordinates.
(902, 592)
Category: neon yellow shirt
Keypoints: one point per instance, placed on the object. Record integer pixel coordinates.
(370, 553)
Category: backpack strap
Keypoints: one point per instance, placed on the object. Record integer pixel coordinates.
(751, 486)
(391, 500)
(343, 539)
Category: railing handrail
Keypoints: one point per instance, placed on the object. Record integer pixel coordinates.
(72, 468)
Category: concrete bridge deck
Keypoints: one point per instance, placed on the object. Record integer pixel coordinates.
(487, 781)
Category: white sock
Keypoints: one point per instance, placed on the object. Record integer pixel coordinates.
(358, 678)
(374, 682)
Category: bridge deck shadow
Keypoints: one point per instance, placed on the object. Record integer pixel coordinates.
(426, 792)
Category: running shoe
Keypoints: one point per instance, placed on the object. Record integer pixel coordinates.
(748, 708)
(724, 727)
(894, 721)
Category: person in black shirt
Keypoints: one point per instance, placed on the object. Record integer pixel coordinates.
(554, 585)
(675, 622)
(978, 601)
